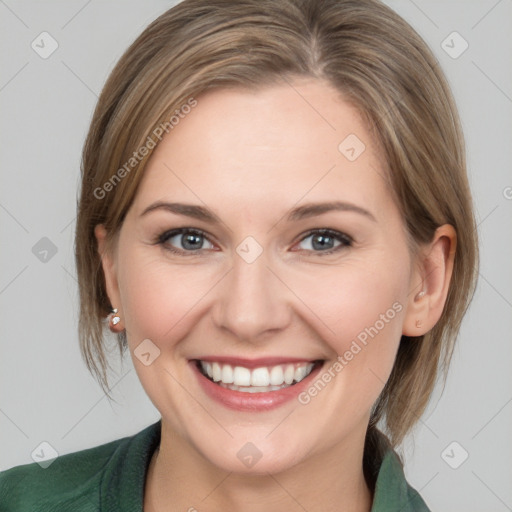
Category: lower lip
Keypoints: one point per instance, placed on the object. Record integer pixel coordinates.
(253, 402)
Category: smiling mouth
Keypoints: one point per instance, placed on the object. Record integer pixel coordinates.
(256, 380)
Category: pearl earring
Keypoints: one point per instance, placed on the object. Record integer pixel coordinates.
(420, 295)
(114, 319)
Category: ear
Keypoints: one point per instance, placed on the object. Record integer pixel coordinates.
(430, 282)
(108, 262)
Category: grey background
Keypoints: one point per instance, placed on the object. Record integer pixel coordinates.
(46, 104)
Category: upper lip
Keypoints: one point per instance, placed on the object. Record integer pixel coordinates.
(255, 363)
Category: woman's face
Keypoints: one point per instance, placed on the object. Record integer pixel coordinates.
(250, 284)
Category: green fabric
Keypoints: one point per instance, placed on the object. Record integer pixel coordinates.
(111, 477)
(392, 492)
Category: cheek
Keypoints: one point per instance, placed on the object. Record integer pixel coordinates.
(158, 297)
(364, 314)
(359, 308)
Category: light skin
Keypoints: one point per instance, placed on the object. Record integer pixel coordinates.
(250, 158)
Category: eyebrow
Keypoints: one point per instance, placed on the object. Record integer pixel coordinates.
(299, 213)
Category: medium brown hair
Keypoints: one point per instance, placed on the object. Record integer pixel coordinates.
(362, 48)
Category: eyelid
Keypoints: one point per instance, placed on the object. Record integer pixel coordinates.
(171, 233)
(327, 231)
(346, 240)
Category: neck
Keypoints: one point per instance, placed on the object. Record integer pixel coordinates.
(179, 478)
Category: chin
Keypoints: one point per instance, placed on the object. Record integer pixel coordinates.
(250, 460)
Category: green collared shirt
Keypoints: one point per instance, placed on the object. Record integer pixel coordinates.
(111, 477)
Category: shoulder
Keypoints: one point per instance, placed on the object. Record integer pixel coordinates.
(385, 475)
(71, 482)
(71, 478)
(392, 491)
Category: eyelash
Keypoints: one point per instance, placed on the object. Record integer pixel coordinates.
(346, 241)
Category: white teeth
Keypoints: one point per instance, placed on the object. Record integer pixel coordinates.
(276, 376)
(217, 372)
(241, 376)
(227, 374)
(252, 389)
(300, 373)
(207, 367)
(290, 373)
(258, 379)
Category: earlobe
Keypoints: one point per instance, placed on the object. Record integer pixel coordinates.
(109, 268)
(435, 268)
(417, 311)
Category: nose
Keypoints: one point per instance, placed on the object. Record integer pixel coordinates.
(252, 302)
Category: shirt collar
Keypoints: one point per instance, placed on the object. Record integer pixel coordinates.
(123, 481)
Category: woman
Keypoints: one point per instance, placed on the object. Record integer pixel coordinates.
(276, 221)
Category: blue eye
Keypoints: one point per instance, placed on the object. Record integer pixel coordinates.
(190, 240)
(326, 241)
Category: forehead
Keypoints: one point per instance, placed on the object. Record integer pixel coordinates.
(284, 142)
